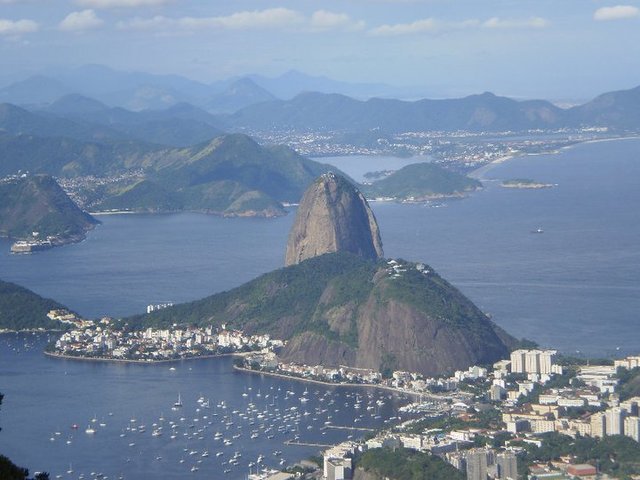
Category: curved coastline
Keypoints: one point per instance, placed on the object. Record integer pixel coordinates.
(140, 362)
(479, 173)
(326, 384)
(236, 368)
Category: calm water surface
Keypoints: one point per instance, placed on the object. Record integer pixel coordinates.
(125, 403)
(575, 287)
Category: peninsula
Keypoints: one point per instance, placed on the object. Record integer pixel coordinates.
(339, 303)
(36, 212)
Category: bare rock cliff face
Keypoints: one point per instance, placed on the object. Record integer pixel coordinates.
(333, 216)
(416, 322)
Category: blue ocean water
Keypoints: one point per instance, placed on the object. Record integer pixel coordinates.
(575, 287)
(47, 398)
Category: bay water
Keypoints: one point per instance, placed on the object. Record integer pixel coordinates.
(575, 287)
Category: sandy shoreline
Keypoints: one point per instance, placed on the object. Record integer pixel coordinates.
(480, 172)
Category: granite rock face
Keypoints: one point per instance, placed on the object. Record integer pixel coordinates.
(333, 216)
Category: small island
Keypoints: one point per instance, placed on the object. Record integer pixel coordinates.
(420, 182)
(525, 183)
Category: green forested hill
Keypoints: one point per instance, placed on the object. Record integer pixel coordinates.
(419, 181)
(342, 308)
(21, 308)
(36, 203)
(230, 174)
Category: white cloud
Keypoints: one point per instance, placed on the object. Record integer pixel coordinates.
(323, 20)
(120, 3)
(257, 19)
(434, 26)
(533, 22)
(616, 13)
(17, 27)
(426, 25)
(80, 21)
(155, 23)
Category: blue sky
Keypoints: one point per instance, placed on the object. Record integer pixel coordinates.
(556, 49)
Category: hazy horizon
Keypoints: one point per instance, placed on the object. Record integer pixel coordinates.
(572, 50)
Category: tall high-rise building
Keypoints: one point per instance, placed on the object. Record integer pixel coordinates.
(507, 465)
(632, 428)
(476, 464)
(598, 425)
(546, 361)
(517, 361)
(615, 420)
(533, 361)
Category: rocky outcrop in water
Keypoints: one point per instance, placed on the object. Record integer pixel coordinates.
(337, 302)
(333, 216)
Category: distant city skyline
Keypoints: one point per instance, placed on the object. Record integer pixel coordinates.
(573, 50)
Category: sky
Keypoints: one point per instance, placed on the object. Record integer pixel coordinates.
(553, 49)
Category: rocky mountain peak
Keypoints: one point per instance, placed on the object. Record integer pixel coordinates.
(333, 216)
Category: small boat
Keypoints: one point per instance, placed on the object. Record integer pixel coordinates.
(90, 430)
(537, 230)
(178, 403)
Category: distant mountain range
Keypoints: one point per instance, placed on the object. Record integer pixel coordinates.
(176, 111)
(140, 91)
(81, 118)
(484, 112)
(239, 94)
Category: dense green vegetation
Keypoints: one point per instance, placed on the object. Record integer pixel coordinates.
(419, 181)
(68, 157)
(490, 419)
(629, 385)
(404, 464)
(22, 309)
(295, 293)
(436, 297)
(331, 302)
(36, 203)
(616, 455)
(231, 175)
(286, 298)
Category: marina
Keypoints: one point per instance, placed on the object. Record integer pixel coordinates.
(197, 418)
